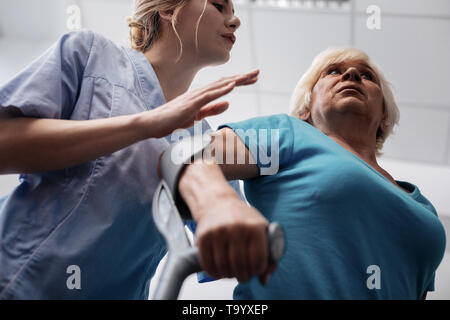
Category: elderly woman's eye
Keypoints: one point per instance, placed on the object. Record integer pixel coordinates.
(333, 71)
(367, 75)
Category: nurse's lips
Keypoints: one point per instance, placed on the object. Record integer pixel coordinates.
(229, 37)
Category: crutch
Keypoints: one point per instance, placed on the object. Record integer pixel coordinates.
(182, 257)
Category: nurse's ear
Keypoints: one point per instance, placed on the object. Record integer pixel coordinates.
(166, 15)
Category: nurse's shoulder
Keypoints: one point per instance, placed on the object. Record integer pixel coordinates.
(98, 56)
(75, 46)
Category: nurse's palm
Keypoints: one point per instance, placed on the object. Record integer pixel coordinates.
(195, 105)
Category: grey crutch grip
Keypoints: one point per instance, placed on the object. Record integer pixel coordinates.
(177, 268)
(180, 265)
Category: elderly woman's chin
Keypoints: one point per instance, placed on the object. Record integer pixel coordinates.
(350, 103)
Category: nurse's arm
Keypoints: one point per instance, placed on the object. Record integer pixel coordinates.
(29, 145)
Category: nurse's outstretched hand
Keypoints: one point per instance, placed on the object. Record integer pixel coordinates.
(195, 105)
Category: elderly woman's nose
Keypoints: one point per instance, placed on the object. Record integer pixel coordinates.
(352, 74)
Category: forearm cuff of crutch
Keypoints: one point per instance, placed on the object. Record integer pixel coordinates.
(174, 161)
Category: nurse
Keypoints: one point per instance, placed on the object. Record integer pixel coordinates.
(84, 125)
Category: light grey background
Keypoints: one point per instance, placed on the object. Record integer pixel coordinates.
(412, 48)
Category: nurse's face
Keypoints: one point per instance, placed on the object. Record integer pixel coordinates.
(215, 32)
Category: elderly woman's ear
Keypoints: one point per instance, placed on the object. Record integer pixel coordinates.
(384, 121)
(306, 114)
(384, 124)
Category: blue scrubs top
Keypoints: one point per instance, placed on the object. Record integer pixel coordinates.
(96, 215)
(351, 233)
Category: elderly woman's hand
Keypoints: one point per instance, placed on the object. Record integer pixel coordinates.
(232, 239)
(231, 236)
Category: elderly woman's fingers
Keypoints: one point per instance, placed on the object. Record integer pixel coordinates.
(241, 227)
(238, 254)
(265, 276)
(206, 257)
(258, 258)
(221, 255)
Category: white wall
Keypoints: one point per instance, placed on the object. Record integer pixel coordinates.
(412, 47)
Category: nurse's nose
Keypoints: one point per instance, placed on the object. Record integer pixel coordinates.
(233, 23)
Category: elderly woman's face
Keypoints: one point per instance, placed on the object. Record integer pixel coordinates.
(350, 87)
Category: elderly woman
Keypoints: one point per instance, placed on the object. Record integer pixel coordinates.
(352, 230)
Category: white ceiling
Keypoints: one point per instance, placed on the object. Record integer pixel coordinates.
(412, 48)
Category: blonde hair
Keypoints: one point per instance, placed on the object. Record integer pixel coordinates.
(145, 22)
(301, 96)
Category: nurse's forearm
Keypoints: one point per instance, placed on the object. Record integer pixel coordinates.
(30, 145)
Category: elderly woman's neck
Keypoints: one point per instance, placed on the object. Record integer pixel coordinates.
(355, 135)
(362, 147)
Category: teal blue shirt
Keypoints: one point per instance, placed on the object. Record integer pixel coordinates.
(351, 233)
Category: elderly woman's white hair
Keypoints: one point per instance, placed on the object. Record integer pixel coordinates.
(301, 96)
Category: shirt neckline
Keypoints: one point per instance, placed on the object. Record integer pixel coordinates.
(415, 190)
(149, 83)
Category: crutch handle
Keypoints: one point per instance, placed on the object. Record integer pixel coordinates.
(180, 265)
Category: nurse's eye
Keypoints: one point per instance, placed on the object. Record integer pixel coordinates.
(218, 6)
(333, 71)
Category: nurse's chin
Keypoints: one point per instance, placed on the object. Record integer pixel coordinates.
(214, 57)
(220, 59)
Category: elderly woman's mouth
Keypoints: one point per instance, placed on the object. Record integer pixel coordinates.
(351, 88)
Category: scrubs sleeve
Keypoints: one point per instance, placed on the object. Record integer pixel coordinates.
(49, 86)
